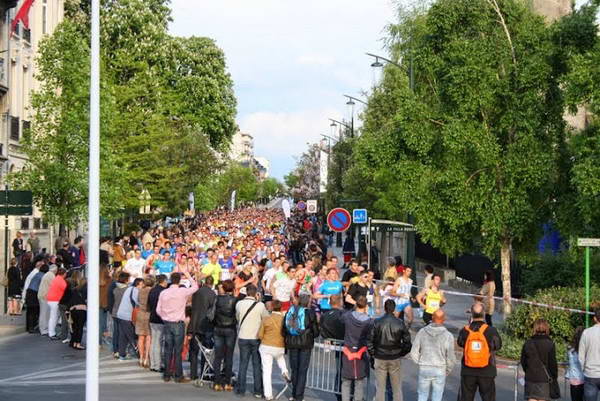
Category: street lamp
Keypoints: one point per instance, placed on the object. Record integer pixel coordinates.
(378, 64)
(334, 123)
(352, 99)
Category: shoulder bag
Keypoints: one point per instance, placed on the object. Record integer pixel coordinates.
(553, 384)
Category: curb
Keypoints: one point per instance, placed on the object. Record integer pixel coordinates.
(7, 331)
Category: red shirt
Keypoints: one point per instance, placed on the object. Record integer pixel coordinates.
(57, 289)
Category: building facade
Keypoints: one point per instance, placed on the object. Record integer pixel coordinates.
(242, 148)
(17, 70)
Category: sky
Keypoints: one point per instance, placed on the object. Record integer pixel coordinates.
(291, 63)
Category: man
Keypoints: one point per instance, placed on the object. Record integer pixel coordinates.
(388, 341)
(331, 286)
(18, 247)
(428, 277)
(589, 357)
(33, 243)
(433, 351)
(402, 291)
(249, 312)
(268, 277)
(212, 268)
(165, 265)
(332, 327)
(156, 324)
(147, 250)
(42, 294)
(478, 378)
(283, 288)
(361, 288)
(129, 300)
(354, 271)
(431, 299)
(135, 266)
(200, 327)
(171, 309)
(66, 255)
(78, 252)
(355, 359)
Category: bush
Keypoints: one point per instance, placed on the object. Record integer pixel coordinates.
(130, 227)
(512, 346)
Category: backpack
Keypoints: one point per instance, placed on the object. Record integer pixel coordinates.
(477, 350)
(295, 321)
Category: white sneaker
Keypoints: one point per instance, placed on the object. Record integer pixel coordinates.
(66, 340)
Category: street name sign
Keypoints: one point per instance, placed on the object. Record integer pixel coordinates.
(593, 242)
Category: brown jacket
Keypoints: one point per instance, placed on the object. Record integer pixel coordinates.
(270, 332)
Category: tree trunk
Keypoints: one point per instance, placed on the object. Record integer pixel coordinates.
(505, 262)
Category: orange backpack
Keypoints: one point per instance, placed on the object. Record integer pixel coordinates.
(477, 350)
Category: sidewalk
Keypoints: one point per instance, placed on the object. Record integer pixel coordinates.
(11, 325)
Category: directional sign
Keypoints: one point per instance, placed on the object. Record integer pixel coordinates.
(339, 219)
(16, 203)
(301, 205)
(359, 216)
(595, 242)
(311, 206)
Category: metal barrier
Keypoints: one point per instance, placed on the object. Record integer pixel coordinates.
(324, 371)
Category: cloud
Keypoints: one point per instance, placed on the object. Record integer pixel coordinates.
(316, 59)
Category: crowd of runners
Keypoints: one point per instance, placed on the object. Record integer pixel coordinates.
(192, 290)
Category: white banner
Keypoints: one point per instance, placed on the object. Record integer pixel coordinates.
(323, 171)
(192, 202)
(232, 206)
(285, 205)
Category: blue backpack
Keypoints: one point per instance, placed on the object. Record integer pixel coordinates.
(295, 321)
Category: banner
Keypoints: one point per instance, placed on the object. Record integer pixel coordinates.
(191, 199)
(232, 206)
(323, 171)
(287, 209)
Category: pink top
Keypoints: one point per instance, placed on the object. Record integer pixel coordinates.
(57, 289)
(172, 301)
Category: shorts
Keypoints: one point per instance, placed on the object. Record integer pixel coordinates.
(285, 305)
(402, 306)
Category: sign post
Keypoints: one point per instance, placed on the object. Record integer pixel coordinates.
(587, 243)
(339, 220)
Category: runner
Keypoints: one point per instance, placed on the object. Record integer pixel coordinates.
(431, 299)
(401, 289)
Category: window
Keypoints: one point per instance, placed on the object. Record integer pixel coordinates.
(24, 223)
(14, 128)
(44, 17)
(45, 225)
(26, 129)
(27, 35)
(37, 223)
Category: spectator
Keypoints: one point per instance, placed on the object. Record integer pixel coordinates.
(18, 246)
(104, 284)
(589, 357)
(32, 285)
(225, 323)
(388, 341)
(55, 293)
(478, 370)
(428, 277)
(355, 358)
(538, 359)
(433, 351)
(65, 255)
(486, 295)
(129, 300)
(33, 243)
(171, 309)
(200, 327)
(249, 312)
(301, 329)
(78, 310)
(272, 347)
(42, 294)
(116, 292)
(142, 323)
(332, 327)
(574, 372)
(156, 324)
(15, 288)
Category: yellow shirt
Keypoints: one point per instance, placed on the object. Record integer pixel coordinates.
(433, 301)
(213, 270)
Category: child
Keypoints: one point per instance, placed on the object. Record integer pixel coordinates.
(574, 373)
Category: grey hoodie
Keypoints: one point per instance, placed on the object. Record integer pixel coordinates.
(434, 346)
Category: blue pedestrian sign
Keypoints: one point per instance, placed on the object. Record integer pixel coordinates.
(359, 216)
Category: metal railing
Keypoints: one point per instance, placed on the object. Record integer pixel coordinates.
(324, 371)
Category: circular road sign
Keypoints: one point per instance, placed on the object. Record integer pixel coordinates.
(339, 219)
(301, 205)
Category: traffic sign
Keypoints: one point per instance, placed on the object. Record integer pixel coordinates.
(301, 205)
(311, 206)
(594, 242)
(339, 219)
(359, 216)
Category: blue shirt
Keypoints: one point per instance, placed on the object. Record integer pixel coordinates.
(226, 264)
(164, 266)
(329, 288)
(146, 253)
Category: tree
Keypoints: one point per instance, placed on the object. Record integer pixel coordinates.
(270, 188)
(472, 151)
(305, 176)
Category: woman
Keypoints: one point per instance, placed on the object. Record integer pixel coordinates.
(272, 346)
(538, 359)
(105, 282)
(15, 288)
(225, 324)
(142, 324)
(118, 253)
(301, 329)
(575, 373)
(57, 289)
(78, 310)
(487, 295)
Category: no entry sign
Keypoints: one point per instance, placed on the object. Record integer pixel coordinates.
(339, 219)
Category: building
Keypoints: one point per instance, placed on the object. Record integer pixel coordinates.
(263, 166)
(242, 148)
(17, 70)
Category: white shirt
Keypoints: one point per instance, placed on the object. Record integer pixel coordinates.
(135, 268)
(284, 288)
(268, 278)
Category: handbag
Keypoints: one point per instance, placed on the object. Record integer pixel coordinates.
(135, 310)
(552, 384)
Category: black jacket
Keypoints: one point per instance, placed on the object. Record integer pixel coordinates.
(494, 343)
(202, 301)
(539, 351)
(305, 340)
(389, 338)
(225, 312)
(332, 325)
(152, 302)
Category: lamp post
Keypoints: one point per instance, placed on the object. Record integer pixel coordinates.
(352, 102)
(334, 123)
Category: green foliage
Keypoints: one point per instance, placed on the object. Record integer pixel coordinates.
(512, 347)
(167, 105)
(270, 187)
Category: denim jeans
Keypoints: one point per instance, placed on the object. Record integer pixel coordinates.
(249, 350)
(299, 361)
(391, 369)
(174, 335)
(431, 379)
(115, 335)
(591, 388)
(126, 336)
(224, 346)
(102, 325)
